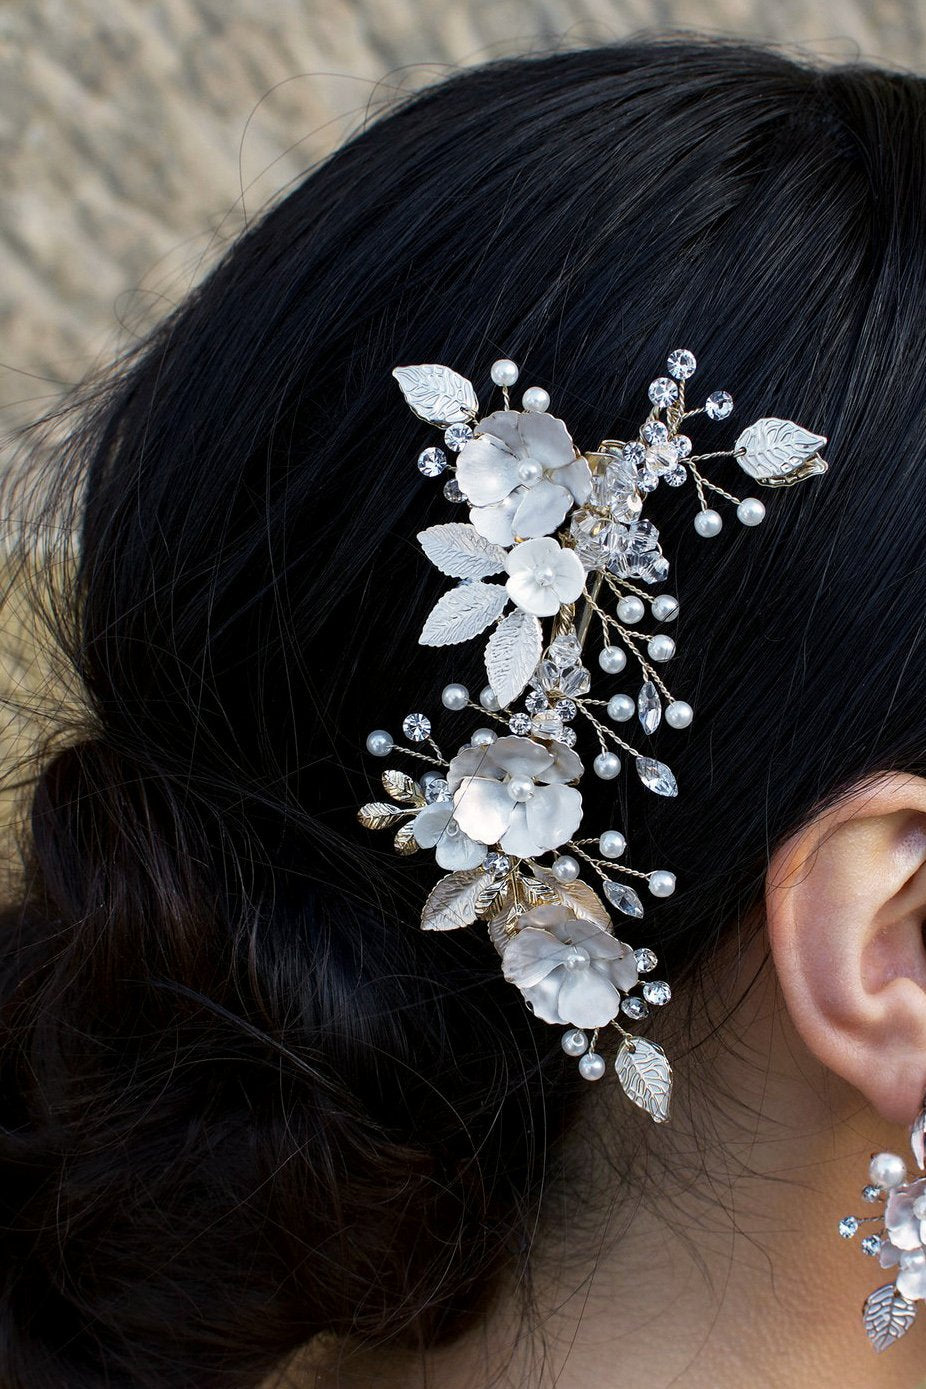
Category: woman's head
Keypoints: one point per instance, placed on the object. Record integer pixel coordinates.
(245, 1099)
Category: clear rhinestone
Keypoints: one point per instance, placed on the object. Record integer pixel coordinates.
(654, 432)
(649, 707)
(646, 960)
(416, 727)
(648, 480)
(565, 650)
(634, 454)
(456, 435)
(657, 992)
(871, 1245)
(635, 1008)
(872, 1193)
(683, 445)
(848, 1226)
(575, 682)
(437, 789)
(452, 490)
(681, 364)
(520, 723)
(663, 391)
(568, 736)
(636, 553)
(718, 405)
(536, 701)
(547, 724)
(432, 462)
(567, 709)
(676, 476)
(656, 776)
(623, 897)
(497, 864)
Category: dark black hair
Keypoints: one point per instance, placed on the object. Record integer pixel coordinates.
(244, 1099)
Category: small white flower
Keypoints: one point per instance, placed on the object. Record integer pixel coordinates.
(435, 827)
(905, 1224)
(570, 970)
(513, 793)
(521, 474)
(544, 576)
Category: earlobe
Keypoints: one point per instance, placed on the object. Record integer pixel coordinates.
(845, 906)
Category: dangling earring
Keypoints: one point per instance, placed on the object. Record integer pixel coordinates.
(890, 1310)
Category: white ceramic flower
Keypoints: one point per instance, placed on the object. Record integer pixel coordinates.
(544, 576)
(521, 475)
(905, 1223)
(435, 828)
(568, 969)
(514, 793)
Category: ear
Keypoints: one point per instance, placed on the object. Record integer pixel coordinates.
(845, 906)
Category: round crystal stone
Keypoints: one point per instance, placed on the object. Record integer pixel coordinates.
(681, 364)
(634, 454)
(432, 462)
(456, 435)
(676, 476)
(496, 863)
(536, 701)
(718, 405)
(648, 481)
(416, 727)
(520, 723)
(871, 1245)
(568, 736)
(437, 789)
(871, 1193)
(657, 992)
(663, 391)
(567, 709)
(452, 490)
(634, 1008)
(654, 432)
(848, 1226)
(646, 960)
(683, 445)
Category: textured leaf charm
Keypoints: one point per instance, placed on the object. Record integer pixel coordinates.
(459, 550)
(649, 707)
(646, 1076)
(779, 452)
(405, 841)
(887, 1316)
(462, 613)
(379, 815)
(452, 902)
(656, 776)
(623, 898)
(404, 789)
(577, 896)
(513, 654)
(437, 394)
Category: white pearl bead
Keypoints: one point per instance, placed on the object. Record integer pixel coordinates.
(591, 1066)
(482, 737)
(665, 608)
(455, 696)
(607, 765)
(708, 523)
(565, 868)
(536, 398)
(751, 511)
(621, 708)
(679, 714)
(612, 844)
(521, 788)
(380, 743)
(574, 1042)
(887, 1170)
(612, 659)
(630, 610)
(661, 883)
(488, 698)
(529, 472)
(504, 372)
(661, 648)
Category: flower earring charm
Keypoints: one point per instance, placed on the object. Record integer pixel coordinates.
(900, 1243)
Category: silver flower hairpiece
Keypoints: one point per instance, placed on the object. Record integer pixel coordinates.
(504, 814)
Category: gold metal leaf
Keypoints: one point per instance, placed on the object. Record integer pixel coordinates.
(577, 896)
(403, 788)
(380, 815)
(405, 841)
(452, 901)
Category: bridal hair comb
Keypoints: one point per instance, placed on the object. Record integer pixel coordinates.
(552, 559)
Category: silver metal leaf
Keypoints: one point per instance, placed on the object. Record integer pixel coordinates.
(887, 1316)
(513, 654)
(656, 776)
(779, 452)
(437, 394)
(459, 550)
(452, 901)
(623, 898)
(646, 1076)
(918, 1139)
(577, 896)
(649, 707)
(462, 613)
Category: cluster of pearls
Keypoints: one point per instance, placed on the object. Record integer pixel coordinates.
(708, 522)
